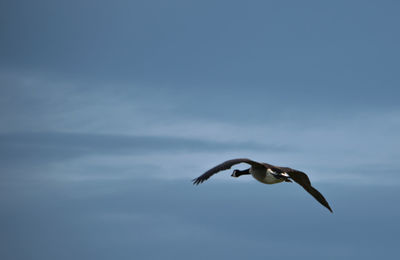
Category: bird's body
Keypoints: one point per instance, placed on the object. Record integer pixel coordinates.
(264, 175)
(268, 174)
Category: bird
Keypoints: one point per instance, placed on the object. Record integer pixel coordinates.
(268, 174)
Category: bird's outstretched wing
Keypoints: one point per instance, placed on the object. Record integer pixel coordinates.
(223, 166)
(302, 179)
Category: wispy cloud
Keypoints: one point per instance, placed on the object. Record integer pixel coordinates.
(107, 156)
(45, 145)
(76, 127)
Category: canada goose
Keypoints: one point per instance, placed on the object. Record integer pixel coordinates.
(268, 174)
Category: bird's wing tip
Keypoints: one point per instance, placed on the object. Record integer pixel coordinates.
(197, 181)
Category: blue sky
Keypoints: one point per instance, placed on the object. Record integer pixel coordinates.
(110, 108)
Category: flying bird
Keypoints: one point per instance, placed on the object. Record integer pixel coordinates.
(268, 174)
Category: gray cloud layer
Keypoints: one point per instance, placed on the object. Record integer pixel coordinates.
(47, 146)
(317, 61)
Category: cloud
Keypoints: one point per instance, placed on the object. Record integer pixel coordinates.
(82, 156)
(51, 144)
(59, 126)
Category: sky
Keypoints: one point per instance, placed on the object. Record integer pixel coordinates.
(110, 108)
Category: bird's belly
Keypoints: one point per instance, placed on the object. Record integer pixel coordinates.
(262, 175)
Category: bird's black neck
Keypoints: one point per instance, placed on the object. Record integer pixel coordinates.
(244, 172)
